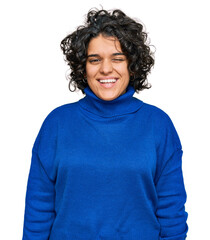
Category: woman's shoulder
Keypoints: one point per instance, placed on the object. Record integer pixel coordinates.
(59, 114)
(162, 123)
(155, 113)
(62, 110)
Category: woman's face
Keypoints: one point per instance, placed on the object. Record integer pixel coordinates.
(106, 62)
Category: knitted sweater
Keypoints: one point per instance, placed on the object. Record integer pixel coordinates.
(106, 170)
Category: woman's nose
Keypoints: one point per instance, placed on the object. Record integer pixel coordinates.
(106, 67)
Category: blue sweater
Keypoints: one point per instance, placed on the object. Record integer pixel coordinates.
(106, 170)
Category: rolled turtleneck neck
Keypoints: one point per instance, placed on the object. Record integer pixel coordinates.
(124, 104)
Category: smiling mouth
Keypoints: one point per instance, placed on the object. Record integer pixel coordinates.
(112, 80)
(108, 83)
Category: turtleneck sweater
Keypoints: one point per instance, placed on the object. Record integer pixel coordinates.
(106, 170)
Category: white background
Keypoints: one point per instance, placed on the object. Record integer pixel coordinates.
(32, 75)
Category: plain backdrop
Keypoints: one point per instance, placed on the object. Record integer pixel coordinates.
(33, 83)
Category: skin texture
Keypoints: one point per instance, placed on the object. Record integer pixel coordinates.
(108, 62)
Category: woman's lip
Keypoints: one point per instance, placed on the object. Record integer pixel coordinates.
(108, 85)
(105, 78)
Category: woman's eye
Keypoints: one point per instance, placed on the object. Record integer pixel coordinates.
(94, 60)
(118, 59)
(98, 60)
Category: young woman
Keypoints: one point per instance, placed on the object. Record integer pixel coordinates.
(107, 167)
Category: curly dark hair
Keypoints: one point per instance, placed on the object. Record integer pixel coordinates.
(117, 24)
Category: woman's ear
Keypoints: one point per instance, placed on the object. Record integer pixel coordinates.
(132, 76)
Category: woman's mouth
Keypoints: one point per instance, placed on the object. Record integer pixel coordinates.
(108, 83)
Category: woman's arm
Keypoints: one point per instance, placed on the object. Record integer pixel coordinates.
(39, 205)
(171, 199)
(40, 195)
(169, 182)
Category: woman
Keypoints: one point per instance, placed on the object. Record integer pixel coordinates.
(107, 167)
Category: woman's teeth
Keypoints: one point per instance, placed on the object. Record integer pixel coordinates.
(108, 81)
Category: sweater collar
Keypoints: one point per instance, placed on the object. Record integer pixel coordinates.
(121, 105)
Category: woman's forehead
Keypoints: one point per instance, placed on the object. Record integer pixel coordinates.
(104, 44)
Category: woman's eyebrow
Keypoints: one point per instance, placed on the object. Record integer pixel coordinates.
(97, 55)
(93, 55)
(116, 54)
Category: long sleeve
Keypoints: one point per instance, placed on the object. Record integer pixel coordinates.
(40, 195)
(170, 186)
